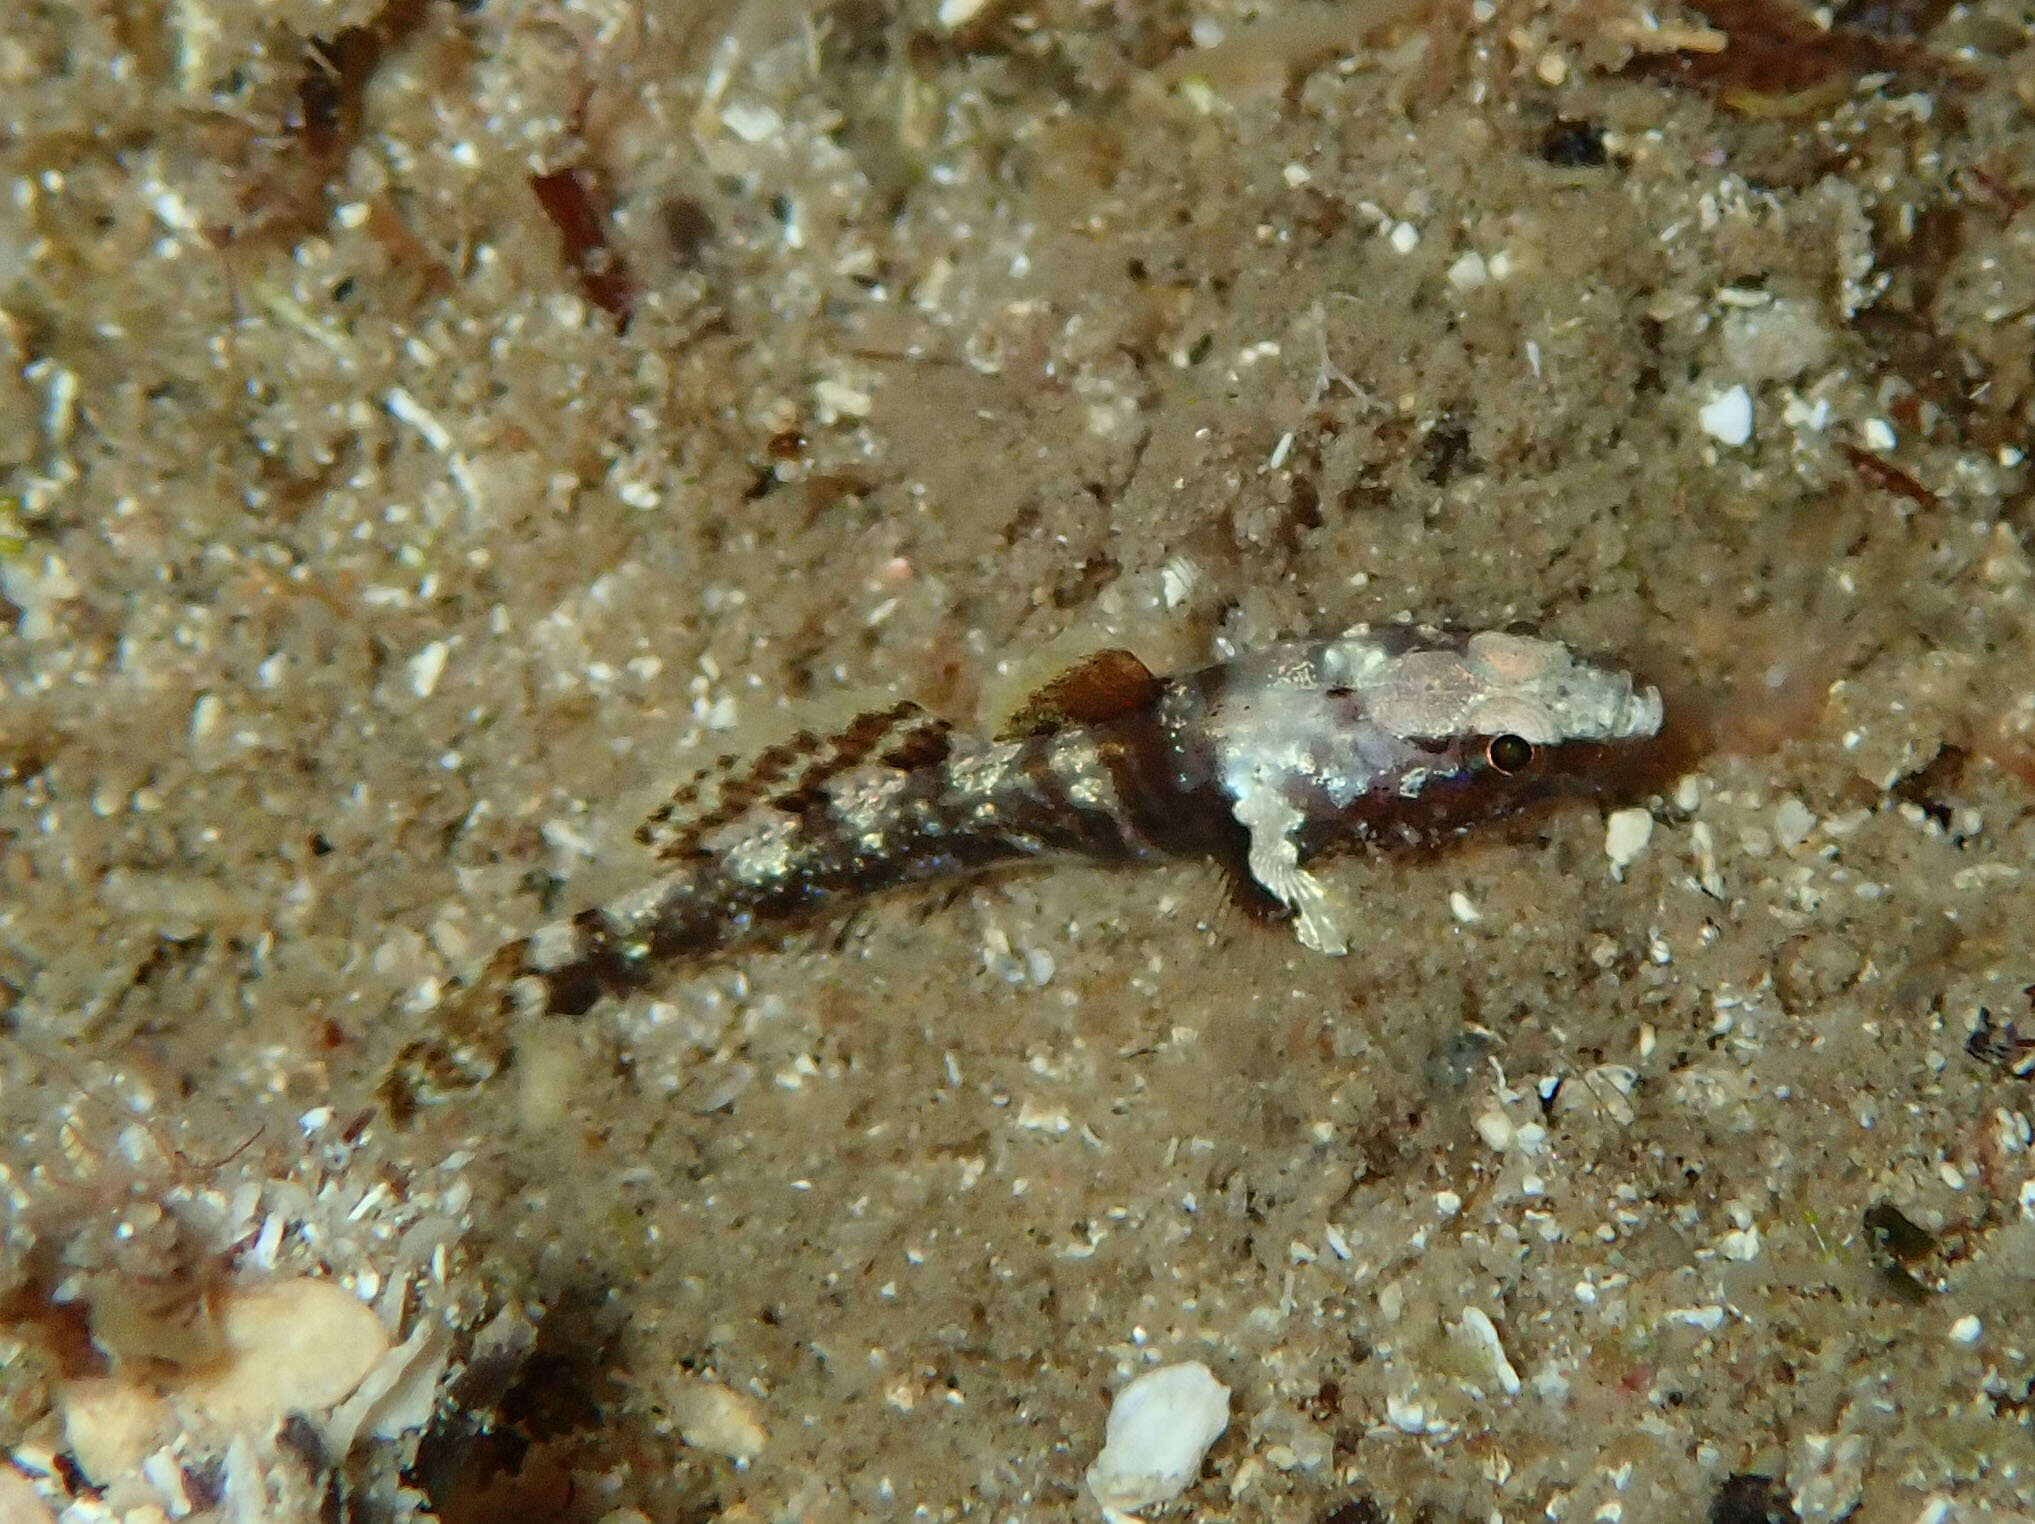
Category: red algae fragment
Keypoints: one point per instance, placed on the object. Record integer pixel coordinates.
(1887, 476)
(1776, 62)
(289, 198)
(567, 197)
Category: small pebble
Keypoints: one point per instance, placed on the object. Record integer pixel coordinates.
(1793, 821)
(1481, 1335)
(1495, 1128)
(1709, 1318)
(110, 1425)
(751, 121)
(1160, 1427)
(427, 667)
(550, 1076)
(1774, 340)
(1469, 272)
(294, 1346)
(1826, 1476)
(1626, 833)
(714, 1417)
(18, 1501)
(1727, 416)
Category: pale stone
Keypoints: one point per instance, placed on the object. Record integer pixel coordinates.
(1775, 341)
(1826, 1475)
(112, 1424)
(1626, 833)
(714, 1417)
(1793, 821)
(1480, 1335)
(19, 1503)
(550, 1076)
(295, 1346)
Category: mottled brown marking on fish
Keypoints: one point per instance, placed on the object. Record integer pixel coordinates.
(926, 746)
(673, 830)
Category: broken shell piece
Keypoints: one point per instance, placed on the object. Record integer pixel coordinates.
(399, 1394)
(1480, 1339)
(1160, 1428)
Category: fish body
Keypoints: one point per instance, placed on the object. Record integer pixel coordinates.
(1392, 734)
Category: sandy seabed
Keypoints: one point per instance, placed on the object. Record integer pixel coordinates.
(429, 431)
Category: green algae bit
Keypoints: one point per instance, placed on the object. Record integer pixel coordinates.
(13, 537)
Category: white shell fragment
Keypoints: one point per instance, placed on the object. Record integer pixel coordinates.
(1826, 1475)
(1793, 821)
(398, 1395)
(1159, 1431)
(1727, 416)
(1480, 1335)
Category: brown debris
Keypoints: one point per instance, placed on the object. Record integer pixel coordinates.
(2003, 1045)
(1879, 472)
(568, 197)
(2011, 198)
(1893, 20)
(286, 199)
(1777, 62)
(419, 270)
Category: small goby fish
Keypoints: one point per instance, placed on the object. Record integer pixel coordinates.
(1394, 734)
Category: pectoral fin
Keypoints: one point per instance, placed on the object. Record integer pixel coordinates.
(1275, 863)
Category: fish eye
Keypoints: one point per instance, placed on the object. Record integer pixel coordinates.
(1509, 754)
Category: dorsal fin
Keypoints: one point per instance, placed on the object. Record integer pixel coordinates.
(1104, 686)
(790, 774)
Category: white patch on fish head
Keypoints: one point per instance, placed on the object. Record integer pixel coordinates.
(1497, 684)
(1543, 693)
